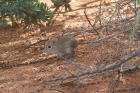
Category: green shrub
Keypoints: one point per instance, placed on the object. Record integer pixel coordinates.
(28, 11)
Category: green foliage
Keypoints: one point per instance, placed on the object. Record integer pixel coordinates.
(58, 3)
(136, 25)
(135, 28)
(28, 11)
(138, 1)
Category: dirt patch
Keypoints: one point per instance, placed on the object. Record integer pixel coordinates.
(22, 71)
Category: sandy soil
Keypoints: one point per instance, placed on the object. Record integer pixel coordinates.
(22, 71)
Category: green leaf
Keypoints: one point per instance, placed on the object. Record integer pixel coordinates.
(37, 9)
(68, 8)
(3, 24)
(34, 21)
(135, 28)
(58, 2)
(138, 1)
(12, 19)
(45, 6)
(41, 6)
(43, 19)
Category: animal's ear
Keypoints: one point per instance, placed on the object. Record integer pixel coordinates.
(53, 40)
(54, 43)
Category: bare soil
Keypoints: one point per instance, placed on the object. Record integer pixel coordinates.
(22, 71)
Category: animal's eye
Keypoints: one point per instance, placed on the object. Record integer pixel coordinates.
(49, 46)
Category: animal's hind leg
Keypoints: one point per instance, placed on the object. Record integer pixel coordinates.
(68, 56)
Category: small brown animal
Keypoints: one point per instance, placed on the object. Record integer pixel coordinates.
(63, 46)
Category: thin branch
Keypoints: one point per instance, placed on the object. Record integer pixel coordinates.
(109, 36)
(76, 87)
(129, 68)
(77, 64)
(57, 86)
(135, 91)
(35, 44)
(91, 24)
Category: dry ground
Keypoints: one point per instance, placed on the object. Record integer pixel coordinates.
(21, 71)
